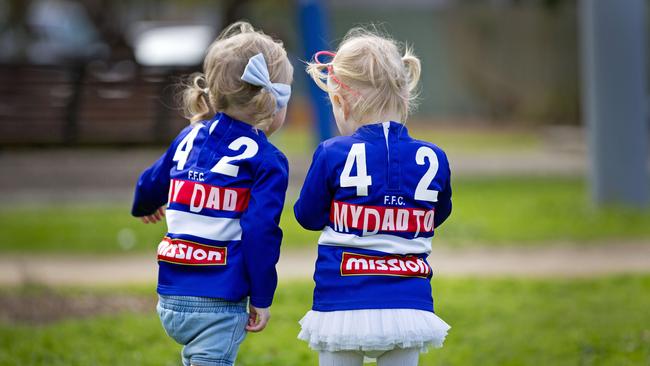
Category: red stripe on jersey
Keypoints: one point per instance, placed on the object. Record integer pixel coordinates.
(190, 253)
(199, 196)
(389, 265)
(372, 219)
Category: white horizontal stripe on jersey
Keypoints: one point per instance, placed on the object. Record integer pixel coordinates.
(206, 227)
(381, 242)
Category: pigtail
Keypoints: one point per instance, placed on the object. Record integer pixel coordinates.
(264, 105)
(196, 99)
(413, 69)
(318, 73)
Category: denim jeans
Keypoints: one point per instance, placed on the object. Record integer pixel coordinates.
(209, 329)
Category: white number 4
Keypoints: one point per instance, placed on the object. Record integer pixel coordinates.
(185, 147)
(362, 180)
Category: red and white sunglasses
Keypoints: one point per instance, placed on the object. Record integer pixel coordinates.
(330, 69)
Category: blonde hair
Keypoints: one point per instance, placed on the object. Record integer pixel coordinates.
(220, 87)
(380, 77)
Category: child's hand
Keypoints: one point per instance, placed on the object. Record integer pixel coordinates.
(257, 318)
(155, 217)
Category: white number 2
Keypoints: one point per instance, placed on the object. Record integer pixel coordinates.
(422, 191)
(223, 166)
(362, 180)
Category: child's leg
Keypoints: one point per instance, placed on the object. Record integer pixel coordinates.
(210, 330)
(399, 357)
(342, 358)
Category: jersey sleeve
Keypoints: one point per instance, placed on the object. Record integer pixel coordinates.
(443, 206)
(261, 233)
(153, 185)
(313, 205)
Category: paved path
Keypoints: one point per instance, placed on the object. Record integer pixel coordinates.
(554, 261)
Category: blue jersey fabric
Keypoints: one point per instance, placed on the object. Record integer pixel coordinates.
(388, 217)
(224, 186)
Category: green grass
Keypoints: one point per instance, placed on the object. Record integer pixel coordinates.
(602, 321)
(297, 141)
(477, 141)
(487, 211)
(93, 228)
(526, 211)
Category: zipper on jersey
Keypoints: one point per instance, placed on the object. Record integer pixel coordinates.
(216, 132)
(393, 172)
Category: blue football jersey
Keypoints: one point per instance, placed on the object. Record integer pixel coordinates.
(377, 196)
(224, 186)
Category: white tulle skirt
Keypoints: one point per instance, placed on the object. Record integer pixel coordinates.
(372, 330)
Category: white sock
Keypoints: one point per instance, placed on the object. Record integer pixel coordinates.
(399, 357)
(342, 358)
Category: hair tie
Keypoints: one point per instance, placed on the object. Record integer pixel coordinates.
(206, 91)
(257, 73)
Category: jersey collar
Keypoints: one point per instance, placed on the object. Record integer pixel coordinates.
(377, 130)
(227, 122)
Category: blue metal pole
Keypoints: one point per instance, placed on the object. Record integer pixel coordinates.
(614, 91)
(315, 37)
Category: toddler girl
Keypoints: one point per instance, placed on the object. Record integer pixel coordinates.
(224, 186)
(377, 194)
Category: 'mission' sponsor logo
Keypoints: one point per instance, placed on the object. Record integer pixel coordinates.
(390, 265)
(186, 252)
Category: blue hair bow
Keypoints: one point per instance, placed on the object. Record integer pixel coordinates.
(257, 73)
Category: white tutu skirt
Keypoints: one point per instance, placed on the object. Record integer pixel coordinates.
(372, 330)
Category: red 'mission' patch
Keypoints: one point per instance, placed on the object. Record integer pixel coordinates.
(190, 253)
(391, 265)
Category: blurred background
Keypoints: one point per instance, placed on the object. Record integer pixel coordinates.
(541, 105)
